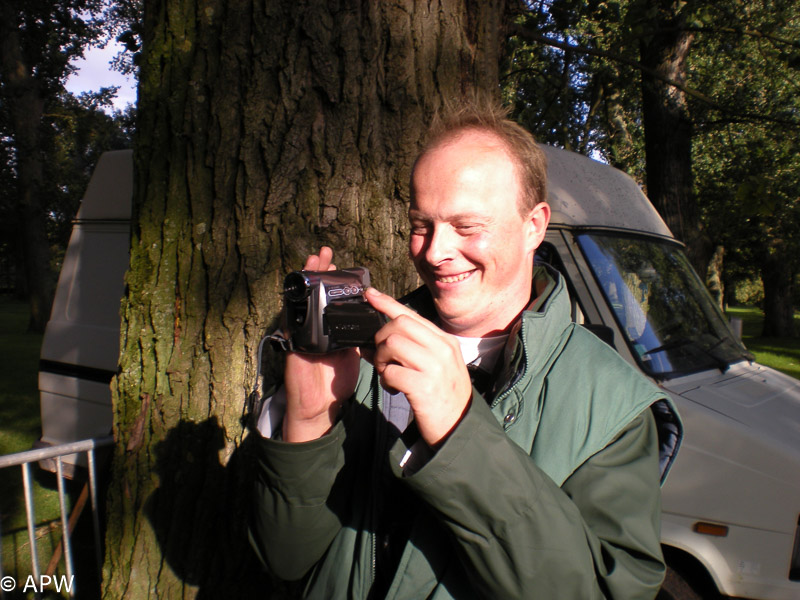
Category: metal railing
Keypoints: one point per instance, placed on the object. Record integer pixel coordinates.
(24, 460)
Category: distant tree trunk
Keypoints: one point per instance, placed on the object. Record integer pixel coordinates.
(265, 130)
(776, 273)
(668, 130)
(714, 280)
(24, 103)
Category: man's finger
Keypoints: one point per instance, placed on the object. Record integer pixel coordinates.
(401, 350)
(389, 306)
(321, 261)
(326, 259)
(392, 308)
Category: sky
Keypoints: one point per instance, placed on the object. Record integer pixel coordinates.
(95, 72)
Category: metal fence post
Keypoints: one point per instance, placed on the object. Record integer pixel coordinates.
(24, 459)
(30, 515)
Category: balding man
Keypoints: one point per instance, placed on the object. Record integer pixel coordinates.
(488, 446)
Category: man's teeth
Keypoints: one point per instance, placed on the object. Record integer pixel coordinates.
(454, 278)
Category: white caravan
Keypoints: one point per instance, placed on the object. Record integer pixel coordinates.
(80, 351)
(731, 505)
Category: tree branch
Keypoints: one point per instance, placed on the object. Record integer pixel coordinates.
(535, 37)
(747, 32)
(527, 34)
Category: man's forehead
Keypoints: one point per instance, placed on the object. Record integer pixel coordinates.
(460, 165)
(479, 139)
(463, 155)
(463, 159)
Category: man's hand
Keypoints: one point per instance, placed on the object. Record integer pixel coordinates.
(317, 384)
(415, 357)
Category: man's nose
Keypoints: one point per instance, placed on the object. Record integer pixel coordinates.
(441, 245)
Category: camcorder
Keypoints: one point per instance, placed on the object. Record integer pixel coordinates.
(325, 311)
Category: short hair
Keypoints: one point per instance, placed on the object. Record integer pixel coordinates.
(493, 118)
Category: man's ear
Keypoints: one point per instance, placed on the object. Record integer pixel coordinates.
(536, 222)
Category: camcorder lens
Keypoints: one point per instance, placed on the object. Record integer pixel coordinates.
(296, 287)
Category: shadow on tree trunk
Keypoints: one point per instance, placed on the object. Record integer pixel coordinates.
(199, 515)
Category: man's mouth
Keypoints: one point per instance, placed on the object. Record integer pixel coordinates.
(454, 278)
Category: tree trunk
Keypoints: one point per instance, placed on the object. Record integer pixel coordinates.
(714, 280)
(668, 130)
(776, 273)
(265, 130)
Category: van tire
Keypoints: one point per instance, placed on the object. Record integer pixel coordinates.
(678, 587)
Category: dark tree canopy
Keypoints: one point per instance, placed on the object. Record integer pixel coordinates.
(43, 129)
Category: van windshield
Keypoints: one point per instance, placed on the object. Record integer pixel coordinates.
(671, 323)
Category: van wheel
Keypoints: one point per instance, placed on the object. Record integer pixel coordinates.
(678, 587)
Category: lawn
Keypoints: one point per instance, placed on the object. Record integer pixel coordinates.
(782, 354)
(20, 427)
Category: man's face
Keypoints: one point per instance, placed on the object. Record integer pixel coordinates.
(469, 242)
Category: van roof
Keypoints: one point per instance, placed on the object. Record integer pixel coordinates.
(583, 192)
(108, 195)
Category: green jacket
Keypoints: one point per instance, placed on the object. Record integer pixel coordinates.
(549, 490)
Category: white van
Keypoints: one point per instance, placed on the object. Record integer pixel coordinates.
(80, 351)
(731, 505)
(732, 501)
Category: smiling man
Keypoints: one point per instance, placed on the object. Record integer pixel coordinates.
(472, 239)
(487, 447)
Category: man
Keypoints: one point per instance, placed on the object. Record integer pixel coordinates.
(400, 477)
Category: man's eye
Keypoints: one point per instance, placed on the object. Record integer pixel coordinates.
(420, 229)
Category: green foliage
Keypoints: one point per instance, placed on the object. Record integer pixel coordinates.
(749, 292)
(46, 38)
(79, 131)
(576, 85)
(573, 77)
(49, 139)
(75, 131)
(747, 154)
(125, 23)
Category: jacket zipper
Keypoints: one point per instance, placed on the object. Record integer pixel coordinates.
(378, 412)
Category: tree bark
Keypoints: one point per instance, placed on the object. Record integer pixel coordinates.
(265, 130)
(714, 279)
(777, 276)
(668, 130)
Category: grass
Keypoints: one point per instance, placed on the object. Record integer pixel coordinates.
(20, 427)
(19, 399)
(782, 354)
